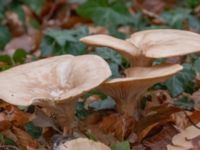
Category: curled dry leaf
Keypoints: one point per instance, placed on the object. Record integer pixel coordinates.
(24, 140)
(121, 126)
(161, 116)
(82, 144)
(143, 46)
(161, 137)
(186, 139)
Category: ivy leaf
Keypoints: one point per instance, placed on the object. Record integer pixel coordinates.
(57, 42)
(105, 12)
(183, 81)
(34, 131)
(19, 56)
(113, 58)
(107, 103)
(35, 5)
(185, 103)
(5, 36)
(121, 146)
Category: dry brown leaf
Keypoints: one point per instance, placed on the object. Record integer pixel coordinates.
(160, 139)
(196, 98)
(4, 122)
(120, 126)
(24, 140)
(161, 116)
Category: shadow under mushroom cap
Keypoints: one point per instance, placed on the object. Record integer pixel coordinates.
(52, 79)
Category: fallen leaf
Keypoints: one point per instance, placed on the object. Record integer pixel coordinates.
(24, 140)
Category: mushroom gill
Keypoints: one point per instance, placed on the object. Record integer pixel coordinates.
(128, 91)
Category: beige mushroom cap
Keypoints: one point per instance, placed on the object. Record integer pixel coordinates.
(138, 79)
(184, 140)
(54, 79)
(82, 144)
(160, 43)
(125, 48)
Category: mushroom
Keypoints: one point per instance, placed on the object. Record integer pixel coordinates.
(186, 139)
(128, 91)
(142, 47)
(54, 82)
(82, 144)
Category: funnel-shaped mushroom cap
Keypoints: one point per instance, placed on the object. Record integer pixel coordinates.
(166, 42)
(123, 47)
(56, 79)
(138, 79)
(82, 144)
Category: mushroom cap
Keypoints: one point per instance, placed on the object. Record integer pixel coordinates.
(185, 139)
(125, 48)
(138, 79)
(82, 144)
(52, 79)
(161, 43)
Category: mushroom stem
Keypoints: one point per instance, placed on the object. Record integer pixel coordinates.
(130, 107)
(63, 113)
(141, 61)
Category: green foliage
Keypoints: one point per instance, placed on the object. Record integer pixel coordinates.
(107, 103)
(184, 103)
(16, 7)
(81, 112)
(183, 81)
(57, 42)
(34, 131)
(177, 18)
(18, 57)
(113, 58)
(6, 141)
(109, 13)
(5, 36)
(121, 146)
(35, 5)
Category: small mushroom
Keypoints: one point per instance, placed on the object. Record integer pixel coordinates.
(82, 144)
(54, 82)
(143, 46)
(128, 91)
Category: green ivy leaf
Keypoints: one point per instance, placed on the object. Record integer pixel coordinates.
(35, 5)
(185, 103)
(5, 37)
(107, 103)
(81, 112)
(121, 146)
(113, 58)
(183, 81)
(34, 131)
(19, 56)
(107, 13)
(57, 42)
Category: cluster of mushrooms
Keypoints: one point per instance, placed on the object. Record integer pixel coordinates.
(57, 82)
